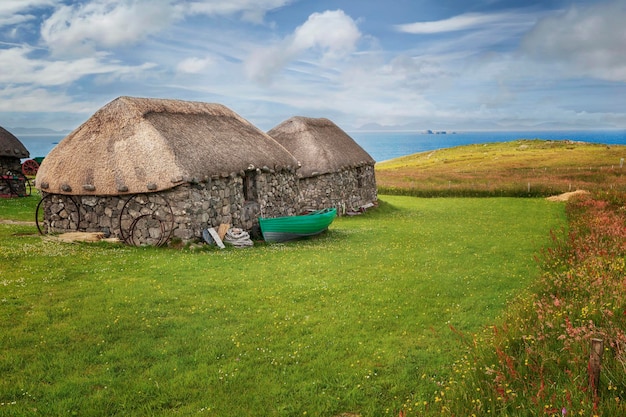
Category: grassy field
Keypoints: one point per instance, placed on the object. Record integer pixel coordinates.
(522, 168)
(357, 322)
(537, 358)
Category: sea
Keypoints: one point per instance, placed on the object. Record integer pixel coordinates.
(383, 146)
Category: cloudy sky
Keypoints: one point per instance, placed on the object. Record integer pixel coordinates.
(421, 64)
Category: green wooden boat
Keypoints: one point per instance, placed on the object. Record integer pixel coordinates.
(282, 229)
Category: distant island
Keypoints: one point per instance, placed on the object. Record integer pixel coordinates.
(37, 131)
(438, 132)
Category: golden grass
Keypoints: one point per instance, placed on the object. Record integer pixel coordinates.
(522, 167)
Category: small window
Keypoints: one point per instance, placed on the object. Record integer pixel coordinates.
(249, 186)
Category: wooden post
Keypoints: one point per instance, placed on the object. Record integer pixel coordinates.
(595, 363)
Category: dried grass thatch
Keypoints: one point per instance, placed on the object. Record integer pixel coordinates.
(568, 195)
(10, 146)
(319, 145)
(90, 237)
(137, 145)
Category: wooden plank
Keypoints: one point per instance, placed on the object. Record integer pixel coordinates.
(221, 231)
(216, 238)
(81, 236)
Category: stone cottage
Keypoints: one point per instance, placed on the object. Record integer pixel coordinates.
(12, 182)
(335, 171)
(149, 170)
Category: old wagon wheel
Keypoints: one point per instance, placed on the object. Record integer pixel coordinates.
(147, 222)
(30, 167)
(40, 215)
(146, 219)
(66, 210)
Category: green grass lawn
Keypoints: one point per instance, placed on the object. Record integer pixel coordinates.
(356, 321)
(19, 209)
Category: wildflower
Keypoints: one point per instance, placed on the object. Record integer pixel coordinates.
(563, 411)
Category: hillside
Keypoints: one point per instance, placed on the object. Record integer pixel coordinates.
(517, 168)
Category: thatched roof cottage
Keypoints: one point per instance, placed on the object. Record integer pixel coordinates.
(147, 169)
(335, 171)
(12, 151)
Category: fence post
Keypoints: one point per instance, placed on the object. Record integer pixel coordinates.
(595, 362)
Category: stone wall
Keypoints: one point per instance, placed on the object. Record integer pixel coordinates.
(10, 164)
(12, 182)
(345, 190)
(181, 212)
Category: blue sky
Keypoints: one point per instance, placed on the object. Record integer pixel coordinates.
(402, 64)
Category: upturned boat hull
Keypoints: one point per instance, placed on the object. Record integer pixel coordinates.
(282, 229)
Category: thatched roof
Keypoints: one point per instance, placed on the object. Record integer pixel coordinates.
(11, 146)
(138, 145)
(320, 146)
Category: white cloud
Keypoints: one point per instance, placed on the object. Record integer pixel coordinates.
(194, 65)
(456, 23)
(251, 10)
(28, 99)
(15, 19)
(583, 41)
(14, 12)
(18, 68)
(15, 6)
(490, 35)
(84, 27)
(80, 28)
(333, 33)
(11, 7)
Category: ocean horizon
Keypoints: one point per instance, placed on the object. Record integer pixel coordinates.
(385, 145)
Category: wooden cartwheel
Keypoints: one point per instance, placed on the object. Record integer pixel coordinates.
(146, 219)
(30, 167)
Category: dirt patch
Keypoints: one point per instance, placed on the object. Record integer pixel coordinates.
(82, 237)
(567, 196)
(17, 222)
